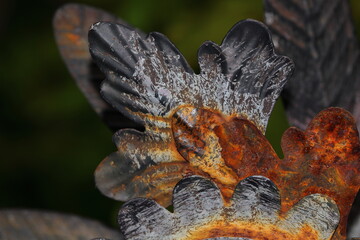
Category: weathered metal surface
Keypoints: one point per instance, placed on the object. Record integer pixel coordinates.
(71, 26)
(148, 80)
(319, 37)
(36, 225)
(253, 212)
(324, 159)
(212, 123)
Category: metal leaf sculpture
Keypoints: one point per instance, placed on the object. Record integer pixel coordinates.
(71, 26)
(319, 37)
(253, 212)
(148, 80)
(35, 225)
(194, 127)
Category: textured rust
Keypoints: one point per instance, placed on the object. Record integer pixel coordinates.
(322, 159)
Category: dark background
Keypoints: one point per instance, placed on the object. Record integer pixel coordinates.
(50, 139)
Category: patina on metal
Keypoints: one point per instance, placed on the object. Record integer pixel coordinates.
(253, 212)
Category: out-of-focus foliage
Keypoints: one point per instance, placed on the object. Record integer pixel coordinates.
(50, 139)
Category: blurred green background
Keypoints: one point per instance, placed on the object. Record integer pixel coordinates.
(50, 139)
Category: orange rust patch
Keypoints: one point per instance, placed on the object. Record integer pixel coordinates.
(74, 38)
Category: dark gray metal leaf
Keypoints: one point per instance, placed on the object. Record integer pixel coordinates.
(252, 213)
(71, 26)
(148, 77)
(36, 225)
(319, 37)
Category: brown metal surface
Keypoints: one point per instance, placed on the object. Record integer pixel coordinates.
(325, 158)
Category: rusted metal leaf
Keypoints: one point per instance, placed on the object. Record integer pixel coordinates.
(253, 212)
(35, 225)
(71, 26)
(324, 159)
(148, 80)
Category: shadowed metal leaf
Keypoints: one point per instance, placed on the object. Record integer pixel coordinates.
(252, 213)
(35, 225)
(71, 25)
(319, 37)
